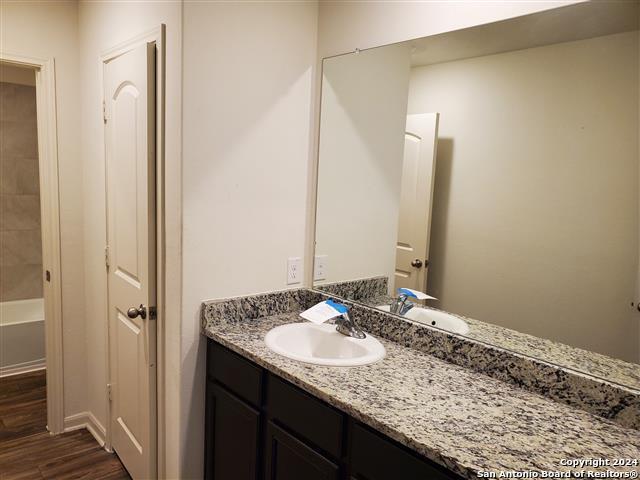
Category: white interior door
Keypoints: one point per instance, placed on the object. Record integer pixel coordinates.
(129, 81)
(418, 168)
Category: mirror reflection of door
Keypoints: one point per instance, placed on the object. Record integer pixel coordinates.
(418, 168)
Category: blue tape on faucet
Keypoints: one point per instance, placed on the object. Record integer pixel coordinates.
(407, 292)
(338, 306)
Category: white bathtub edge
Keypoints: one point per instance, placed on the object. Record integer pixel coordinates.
(14, 312)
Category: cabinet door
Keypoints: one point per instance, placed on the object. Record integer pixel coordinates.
(374, 457)
(289, 459)
(232, 434)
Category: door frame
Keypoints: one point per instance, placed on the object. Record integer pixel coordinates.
(156, 35)
(50, 227)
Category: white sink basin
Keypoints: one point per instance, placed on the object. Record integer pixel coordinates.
(435, 318)
(322, 345)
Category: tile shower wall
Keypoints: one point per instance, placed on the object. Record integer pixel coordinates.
(20, 238)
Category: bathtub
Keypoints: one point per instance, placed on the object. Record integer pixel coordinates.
(21, 336)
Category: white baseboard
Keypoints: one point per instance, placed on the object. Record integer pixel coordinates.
(25, 367)
(90, 422)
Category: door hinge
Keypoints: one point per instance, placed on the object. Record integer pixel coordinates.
(106, 257)
(109, 391)
(104, 111)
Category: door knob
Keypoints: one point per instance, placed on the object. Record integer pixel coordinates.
(416, 263)
(134, 312)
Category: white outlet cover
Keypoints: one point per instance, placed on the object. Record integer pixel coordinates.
(320, 267)
(294, 270)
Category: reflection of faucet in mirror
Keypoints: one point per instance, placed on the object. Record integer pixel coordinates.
(401, 305)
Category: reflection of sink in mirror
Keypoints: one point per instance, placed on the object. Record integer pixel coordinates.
(323, 345)
(435, 318)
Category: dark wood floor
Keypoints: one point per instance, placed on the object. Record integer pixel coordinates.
(27, 451)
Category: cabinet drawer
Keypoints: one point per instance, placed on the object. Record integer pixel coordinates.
(376, 458)
(308, 417)
(234, 372)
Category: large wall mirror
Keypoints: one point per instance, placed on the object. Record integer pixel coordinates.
(496, 169)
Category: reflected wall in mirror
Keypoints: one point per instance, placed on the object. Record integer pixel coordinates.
(496, 169)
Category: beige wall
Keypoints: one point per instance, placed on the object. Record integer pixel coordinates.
(535, 221)
(49, 29)
(20, 235)
(361, 147)
(248, 78)
(104, 25)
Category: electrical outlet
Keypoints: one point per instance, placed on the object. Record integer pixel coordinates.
(294, 270)
(320, 267)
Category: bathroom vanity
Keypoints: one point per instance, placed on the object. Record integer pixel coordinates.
(410, 415)
(261, 426)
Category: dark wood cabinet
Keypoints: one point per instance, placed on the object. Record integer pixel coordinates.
(308, 418)
(375, 458)
(288, 458)
(237, 374)
(232, 436)
(258, 426)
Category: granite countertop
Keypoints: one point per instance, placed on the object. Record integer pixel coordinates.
(463, 420)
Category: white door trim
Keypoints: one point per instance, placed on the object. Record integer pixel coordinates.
(158, 36)
(50, 221)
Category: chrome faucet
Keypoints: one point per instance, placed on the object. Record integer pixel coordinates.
(348, 327)
(338, 313)
(401, 305)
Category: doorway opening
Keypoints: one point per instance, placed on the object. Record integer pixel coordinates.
(22, 319)
(30, 286)
(21, 291)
